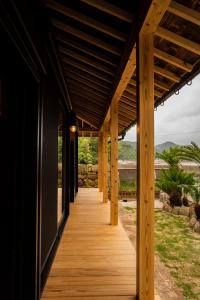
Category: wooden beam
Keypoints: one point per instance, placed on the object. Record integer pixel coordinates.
(145, 130)
(83, 117)
(110, 9)
(76, 85)
(114, 162)
(87, 109)
(124, 117)
(84, 19)
(84, 49)
(88, 38)
(145, 150)
(178, 40)
(173, 60)
(100, 148)
(166, 74)
(127, 112)
(88, 130)
(88, 61)
(85, 121)
(130, 102)
(161, 85)
(125, 78)
(86, 76)
(105, 163)
(132, 90)
(93, 85)
(87, 98)
(86, 69)
(157, 83)
(184, 12)
(129, 96)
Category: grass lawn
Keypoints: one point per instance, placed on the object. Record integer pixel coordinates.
(179, 249)
(127, 186)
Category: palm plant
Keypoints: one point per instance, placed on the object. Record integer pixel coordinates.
(190, 152)
(170, 156)
(195, 193)
(171, 182)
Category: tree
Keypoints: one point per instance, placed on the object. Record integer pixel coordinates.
(171, 182)
(171, 156)
(88, 150)
(84, 151)
(190, 153)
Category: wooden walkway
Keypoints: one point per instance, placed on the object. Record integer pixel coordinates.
(94, 260)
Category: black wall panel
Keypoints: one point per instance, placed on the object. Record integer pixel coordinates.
(49, 170)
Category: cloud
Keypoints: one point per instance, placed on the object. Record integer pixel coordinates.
(179, 119)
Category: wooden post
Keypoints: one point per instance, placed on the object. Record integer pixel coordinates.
(100, 142)
(114, 162)
(145, 150)
(145, 161)
(105, 163)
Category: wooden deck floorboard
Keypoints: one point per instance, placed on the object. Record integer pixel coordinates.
(94, 260)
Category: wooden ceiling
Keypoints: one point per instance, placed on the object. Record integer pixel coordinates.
(95, 38)
(176, 58)
(91, 37)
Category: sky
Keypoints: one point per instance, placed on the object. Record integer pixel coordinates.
(178, 120)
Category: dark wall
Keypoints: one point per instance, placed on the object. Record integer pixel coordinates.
(30, 100)
(19, 107)
(49, 168)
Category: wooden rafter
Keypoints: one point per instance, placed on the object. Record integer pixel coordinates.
(173, 60)
(86, 99)
(125, 117)
(80, 74)
(84, 19)
(178, 40)
(184, 12)
(86, 70)
(87, 109)
(86, 60)
(90, 118)
(110, 9)
(88, 38)
(161, 85)
(86, 50)
(166, 74)
(85, 121)
(89, 84)
(74, 85)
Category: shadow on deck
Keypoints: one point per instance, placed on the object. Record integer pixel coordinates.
(94, 260)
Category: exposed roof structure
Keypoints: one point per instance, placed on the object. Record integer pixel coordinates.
(95, 51)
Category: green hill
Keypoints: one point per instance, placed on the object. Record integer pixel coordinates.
(164, 146)
(127, 149)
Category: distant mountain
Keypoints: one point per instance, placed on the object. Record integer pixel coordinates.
(164, 146)
(127, 149)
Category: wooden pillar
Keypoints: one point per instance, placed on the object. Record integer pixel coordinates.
(100, 149)
(114, 162)
(105, 163)
(145, 161)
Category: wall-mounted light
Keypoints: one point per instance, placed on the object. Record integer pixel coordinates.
(72, 128)
(72, 123)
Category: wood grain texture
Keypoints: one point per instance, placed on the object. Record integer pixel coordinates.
(114, 162)
(94, 260)
(145, 131)
(105, 162)
(100, 148)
